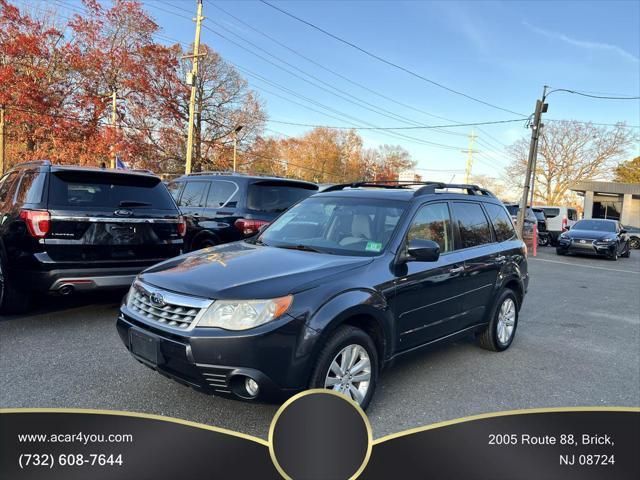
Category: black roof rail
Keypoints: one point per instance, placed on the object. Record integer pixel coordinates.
(216, 172)
(45, 163)
(470, 189)
(395, 184)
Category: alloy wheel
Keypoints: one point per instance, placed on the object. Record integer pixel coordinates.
(350, 373)
(506, 320)
(634, 243)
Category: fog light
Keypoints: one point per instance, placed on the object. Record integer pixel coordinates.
(251, 386)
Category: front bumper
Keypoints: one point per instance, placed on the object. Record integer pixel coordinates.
(218, 362)
(589, 247)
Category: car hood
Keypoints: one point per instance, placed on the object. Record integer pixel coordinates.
(242, 270)
(589, 234)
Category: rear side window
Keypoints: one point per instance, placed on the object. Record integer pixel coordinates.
(193, 195)
(6, 186)
(275, 197)
(551, 212)
(512, 209)
(88, 189)
(572, 214)
(31, 186)
(174, 189)
(501, 221)
(432, 222)
(222, 194)
(472, 224)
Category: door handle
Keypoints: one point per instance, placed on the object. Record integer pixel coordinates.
(456, 270)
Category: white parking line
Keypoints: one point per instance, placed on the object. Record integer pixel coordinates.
(584, 266)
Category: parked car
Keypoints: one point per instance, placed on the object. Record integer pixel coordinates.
(530, 220)
(65, 229)
(543, 233)
(559, 218)
(340, 285)
(634, 236)
(595, 237)
(222, 207)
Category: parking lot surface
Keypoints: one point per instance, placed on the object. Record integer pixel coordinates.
(576, 345)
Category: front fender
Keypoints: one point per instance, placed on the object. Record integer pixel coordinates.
(347, 305)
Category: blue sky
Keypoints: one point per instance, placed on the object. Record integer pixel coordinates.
(500, 52)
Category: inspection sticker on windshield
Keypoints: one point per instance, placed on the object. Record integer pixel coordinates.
(373, 247)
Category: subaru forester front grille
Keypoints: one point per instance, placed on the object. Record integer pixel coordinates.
(165, 308)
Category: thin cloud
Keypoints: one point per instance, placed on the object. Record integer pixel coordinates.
(583, 43)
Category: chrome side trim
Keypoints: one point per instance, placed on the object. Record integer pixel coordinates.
(113, 219)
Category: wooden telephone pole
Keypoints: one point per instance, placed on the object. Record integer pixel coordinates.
(472, 138)
(192, 81)
(541, 108)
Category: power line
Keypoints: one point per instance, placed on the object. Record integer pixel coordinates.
(584, 94)
(397, 128)
(388, 62)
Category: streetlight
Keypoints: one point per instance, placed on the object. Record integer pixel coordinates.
(235, 144)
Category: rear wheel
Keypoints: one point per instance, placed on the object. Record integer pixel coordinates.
(499, 333)
(543, 240)
(11, 300)
(348, 364)
(634, 242)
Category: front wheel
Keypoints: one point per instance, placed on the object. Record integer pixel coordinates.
(543, 240)
(348, 364)
(634, 243)
(499, 333)
(613, 256)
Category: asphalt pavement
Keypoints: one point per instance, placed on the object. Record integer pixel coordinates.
(577, 344)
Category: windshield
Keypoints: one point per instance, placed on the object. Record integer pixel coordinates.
(344, 226)
(600, 226)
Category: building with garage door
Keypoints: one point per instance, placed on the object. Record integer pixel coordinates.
(618, 201)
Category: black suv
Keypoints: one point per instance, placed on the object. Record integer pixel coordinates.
(330, 292)
(65, 228)
(222, 207)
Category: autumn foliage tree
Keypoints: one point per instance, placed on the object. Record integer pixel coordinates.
(569, 152)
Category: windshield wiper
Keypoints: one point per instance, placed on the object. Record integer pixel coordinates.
(304, 248)
(133, 203)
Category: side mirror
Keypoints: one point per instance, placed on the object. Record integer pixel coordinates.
(623, 230)
(568, 227)
(423, 250)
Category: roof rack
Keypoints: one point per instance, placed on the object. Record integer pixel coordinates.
(216, 172)
(45, 163)
(425, 189)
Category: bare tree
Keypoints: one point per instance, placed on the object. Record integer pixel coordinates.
(569, 151)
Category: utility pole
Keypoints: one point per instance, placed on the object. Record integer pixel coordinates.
(235, 144)
(472, 138)
(541, 108)
(193, 76)
(1, 140)
(114, 125)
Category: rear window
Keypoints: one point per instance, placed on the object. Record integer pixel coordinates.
(80, 189)
(512, 209)
(551, 212)
(572, 214)
(271, 197)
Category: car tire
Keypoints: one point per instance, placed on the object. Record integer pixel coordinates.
(634, 243)
(206, 243)
(614, 255)
(501, 330)
(345, 341)
(627, 254)
(543, 241)
(12, 301)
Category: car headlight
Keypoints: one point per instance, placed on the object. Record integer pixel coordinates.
(605, 241)
(244, 314)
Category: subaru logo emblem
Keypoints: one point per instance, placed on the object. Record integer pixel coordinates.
(123, 213)
(157, 299)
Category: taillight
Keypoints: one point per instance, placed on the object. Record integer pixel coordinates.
(38, 222)
(182, 226)
(564, 222)
(249, 227)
